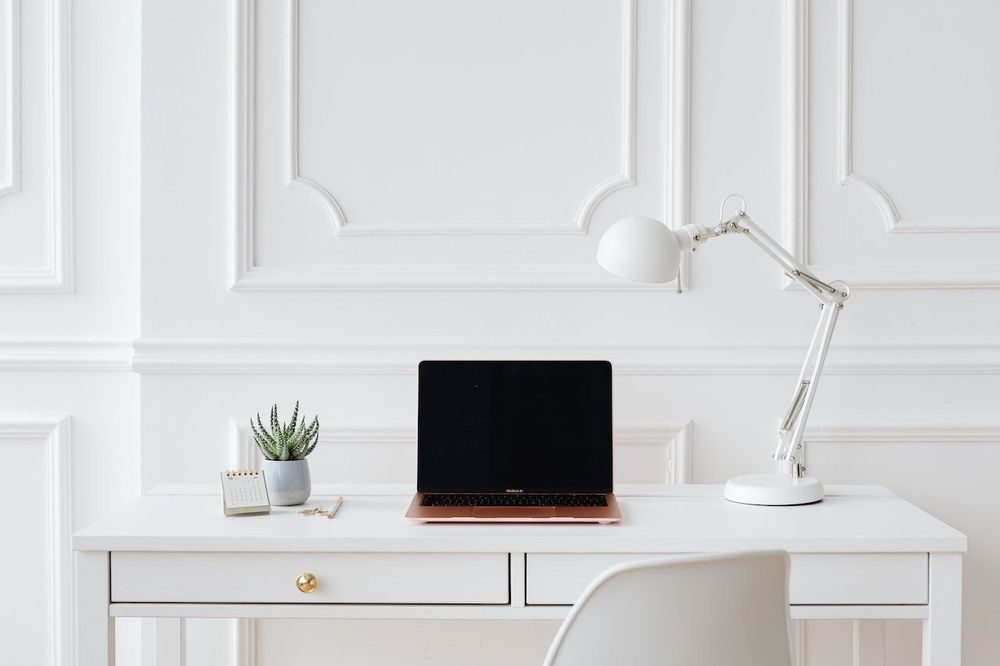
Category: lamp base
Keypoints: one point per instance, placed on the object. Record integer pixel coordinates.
(774, 489)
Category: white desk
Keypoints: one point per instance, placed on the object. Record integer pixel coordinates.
(861, 553)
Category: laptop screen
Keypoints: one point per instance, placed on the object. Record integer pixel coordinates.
(502, 426)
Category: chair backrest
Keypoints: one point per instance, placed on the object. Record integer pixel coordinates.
(721, 610)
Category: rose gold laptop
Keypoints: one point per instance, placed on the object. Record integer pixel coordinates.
(514, 441)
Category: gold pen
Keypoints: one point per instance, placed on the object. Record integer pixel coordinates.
(335, 509)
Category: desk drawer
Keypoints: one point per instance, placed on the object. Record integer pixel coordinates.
(344, 578)
(816, 578)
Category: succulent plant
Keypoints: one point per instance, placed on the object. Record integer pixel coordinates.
(286, 441)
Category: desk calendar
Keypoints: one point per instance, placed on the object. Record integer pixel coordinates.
(244, 492)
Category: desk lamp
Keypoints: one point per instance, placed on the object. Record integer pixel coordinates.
(646, 250)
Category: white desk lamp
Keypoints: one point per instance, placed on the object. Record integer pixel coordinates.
(646, 250)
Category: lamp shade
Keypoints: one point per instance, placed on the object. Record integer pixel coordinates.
(640, 249)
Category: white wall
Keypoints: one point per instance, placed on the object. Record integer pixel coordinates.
(439, 191)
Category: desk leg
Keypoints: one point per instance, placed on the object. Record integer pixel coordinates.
(95, 628)
(943, 626)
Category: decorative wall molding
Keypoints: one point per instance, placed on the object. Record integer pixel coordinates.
(678, 183)
(678, 440)
(244, 275)
(416, 277)
(54, 433)
(845, 145)
(11, 99)
(911, 432)
(338, 218)
(243, 92)
(58, 275)
(940, 276)
(796, 172)
(293, 175)
(796, 126)
(845, 122)
(680, 446)
(65, 354)
(241, 356)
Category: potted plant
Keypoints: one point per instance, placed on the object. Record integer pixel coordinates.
(285, 447)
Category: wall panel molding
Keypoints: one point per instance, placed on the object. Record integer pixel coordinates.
(341, 225)
(245, 275)
(796, 164)
(242, 356)
(677, 440)
(678, 173)
(11, 99)
(418, 277)
(915, 432)
(65, 354)
(58, 275)
(845, 122)
(845, 146)
(797, 177)
(54, 433)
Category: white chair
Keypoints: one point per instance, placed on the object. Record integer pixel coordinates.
(722, 610)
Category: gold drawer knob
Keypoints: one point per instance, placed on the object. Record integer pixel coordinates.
(306, 583)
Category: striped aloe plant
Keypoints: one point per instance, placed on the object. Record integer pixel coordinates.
(286, 441)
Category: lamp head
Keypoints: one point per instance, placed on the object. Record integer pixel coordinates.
(641, 249)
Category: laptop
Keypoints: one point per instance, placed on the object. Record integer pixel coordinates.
(514, 441)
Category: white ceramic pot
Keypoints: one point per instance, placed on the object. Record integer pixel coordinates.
(288, 481)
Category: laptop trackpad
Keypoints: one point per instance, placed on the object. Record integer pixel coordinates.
(514, 512)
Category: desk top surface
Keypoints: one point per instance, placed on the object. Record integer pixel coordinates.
(661, 519)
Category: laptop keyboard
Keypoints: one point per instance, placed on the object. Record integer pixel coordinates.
(513, 499)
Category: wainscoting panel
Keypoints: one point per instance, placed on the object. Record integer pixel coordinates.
(247, 356)
(37, 625)
(387, 454)
(36, 242)
(876, 126)
(469, 123)
(10, 97)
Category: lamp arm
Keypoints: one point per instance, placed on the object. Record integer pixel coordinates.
(793, 425)
(831, 296)
(693, 235)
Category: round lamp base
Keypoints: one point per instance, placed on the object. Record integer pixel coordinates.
(774, 489)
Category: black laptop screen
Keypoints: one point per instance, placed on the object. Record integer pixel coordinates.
(531, 426)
